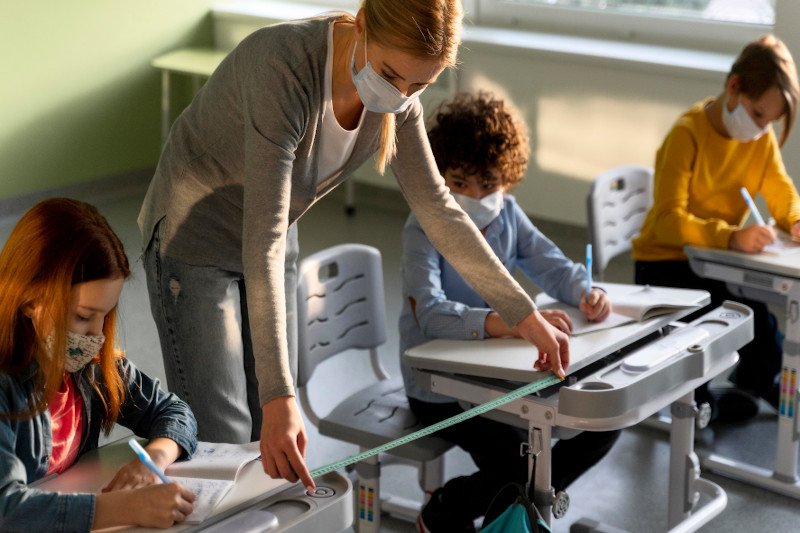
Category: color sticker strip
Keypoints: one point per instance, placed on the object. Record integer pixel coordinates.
(453, 420)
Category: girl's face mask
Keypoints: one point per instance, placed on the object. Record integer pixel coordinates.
(740, 124)
(79, 351)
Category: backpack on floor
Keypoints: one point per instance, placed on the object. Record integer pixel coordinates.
(521, 516)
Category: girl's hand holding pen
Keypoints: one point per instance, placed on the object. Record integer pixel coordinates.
(753, 239)
(795, 231)
(158, 506)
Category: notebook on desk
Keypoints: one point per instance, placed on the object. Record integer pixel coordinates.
(630, 303)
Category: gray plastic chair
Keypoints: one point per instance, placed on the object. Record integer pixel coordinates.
(340, 306)
(617, 206)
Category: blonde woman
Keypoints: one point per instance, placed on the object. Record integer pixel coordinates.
(287, 116)
(717, 147)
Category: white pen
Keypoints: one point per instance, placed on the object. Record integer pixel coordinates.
(752, 205)
(148, 462)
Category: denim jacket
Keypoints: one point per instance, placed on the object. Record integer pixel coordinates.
(26, 445)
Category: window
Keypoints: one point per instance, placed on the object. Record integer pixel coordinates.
(712, 24)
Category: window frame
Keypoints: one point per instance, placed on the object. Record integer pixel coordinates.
(627, 27)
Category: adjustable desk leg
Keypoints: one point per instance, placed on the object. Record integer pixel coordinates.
(540, 452)
(684, 468)
(368, 496)
(786, 455)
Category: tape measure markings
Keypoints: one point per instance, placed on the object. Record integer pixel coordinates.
(453, 420)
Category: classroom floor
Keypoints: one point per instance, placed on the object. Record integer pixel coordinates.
(627, 490)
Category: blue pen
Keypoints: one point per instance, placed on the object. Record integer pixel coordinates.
(588, 270)
(145, 458)
(752, 205)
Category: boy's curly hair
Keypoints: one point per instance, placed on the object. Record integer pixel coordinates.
(479, 133)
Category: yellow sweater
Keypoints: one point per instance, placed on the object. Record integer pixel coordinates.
(698, 177)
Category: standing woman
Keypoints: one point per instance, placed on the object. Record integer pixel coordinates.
(286, 117)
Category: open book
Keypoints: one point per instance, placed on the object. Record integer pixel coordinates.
(629, 303)
(784, 244)
(210, 473)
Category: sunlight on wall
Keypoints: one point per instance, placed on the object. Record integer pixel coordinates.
(581, 135)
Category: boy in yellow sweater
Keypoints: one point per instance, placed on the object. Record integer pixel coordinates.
(714, 149)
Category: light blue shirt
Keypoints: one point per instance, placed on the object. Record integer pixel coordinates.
(446, 307)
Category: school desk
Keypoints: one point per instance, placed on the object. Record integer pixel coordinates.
(773, 279)
(618, 377)
(330, 509)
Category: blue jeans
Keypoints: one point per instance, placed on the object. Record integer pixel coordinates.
(204, 329)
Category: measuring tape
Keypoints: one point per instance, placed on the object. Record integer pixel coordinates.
(453, 420)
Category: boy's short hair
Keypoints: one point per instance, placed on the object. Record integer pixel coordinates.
(477, 134)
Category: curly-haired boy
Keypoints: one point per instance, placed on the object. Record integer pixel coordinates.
(481, 148)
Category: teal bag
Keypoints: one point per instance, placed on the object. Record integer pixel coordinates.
(519, 517)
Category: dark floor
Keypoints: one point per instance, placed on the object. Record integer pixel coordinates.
(628, 489)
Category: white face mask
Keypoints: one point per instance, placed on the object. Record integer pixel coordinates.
(740, 124)
(80, 349)
(481, 211)
(376, 93)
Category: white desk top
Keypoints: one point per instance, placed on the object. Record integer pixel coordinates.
(96, 468)
(191, 61)
(512, 359)
(786, 265)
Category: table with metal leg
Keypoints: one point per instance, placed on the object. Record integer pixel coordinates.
(772, 279)
(199, 63)
(621, 377)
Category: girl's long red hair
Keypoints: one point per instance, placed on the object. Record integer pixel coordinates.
(58, 243)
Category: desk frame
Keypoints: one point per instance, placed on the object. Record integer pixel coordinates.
(542, 414)
(770, 280)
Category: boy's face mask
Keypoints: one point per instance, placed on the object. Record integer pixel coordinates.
(80, 349)
(740, 124)
(482, 211)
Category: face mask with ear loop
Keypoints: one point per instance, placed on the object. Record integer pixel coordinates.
(482, 211)
(740, 124)
(79, 351)
(376, 93)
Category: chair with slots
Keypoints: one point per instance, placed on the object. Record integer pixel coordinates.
(616, 207)
(340, 303)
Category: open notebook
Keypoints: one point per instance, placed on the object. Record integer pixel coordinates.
(785, 244)
(211, 473)
(630, 303)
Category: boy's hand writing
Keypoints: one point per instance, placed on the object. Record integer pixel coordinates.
(596, 306)
(558, 319)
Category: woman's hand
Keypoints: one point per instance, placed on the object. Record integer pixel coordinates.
(553, 344)
(753, 239)
(596, 307)
(159, 506)
(283, 441)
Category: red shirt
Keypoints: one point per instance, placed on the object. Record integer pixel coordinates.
(66, 418)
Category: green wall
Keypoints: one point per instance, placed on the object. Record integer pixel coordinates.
(78, 98)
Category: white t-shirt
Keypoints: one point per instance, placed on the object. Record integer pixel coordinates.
(336, 143)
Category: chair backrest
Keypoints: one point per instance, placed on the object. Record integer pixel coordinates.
(340, 304)
(617, 206)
